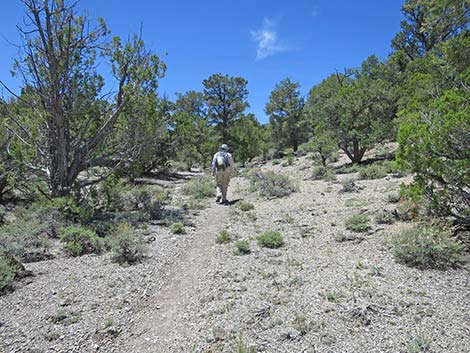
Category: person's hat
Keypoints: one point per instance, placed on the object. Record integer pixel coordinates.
(224, 147)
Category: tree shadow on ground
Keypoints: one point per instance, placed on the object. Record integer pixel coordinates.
(162, 178)
(233, 202)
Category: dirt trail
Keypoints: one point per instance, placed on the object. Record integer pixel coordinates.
(165, 318)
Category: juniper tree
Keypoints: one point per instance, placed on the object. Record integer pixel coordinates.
(71, 121)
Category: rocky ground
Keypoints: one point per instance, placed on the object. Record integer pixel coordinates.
(326, 290)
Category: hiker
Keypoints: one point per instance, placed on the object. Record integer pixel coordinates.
(222, 169)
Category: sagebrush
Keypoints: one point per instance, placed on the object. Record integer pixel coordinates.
(428, 247)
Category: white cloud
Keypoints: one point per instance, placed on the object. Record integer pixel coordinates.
(267, 41)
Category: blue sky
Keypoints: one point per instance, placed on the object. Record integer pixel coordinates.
(260, 40)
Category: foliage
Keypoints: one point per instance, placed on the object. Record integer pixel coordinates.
(358, 223)
(242, 247)
(195, 138)
(285, 111)
(428, 23)
(428, 247)
(290, 156)
(223, 237)
(80, 241)
(241, 346)
(10, 266)
(142, 197)
(155, 210)
(28, 236)
(25, 238)
(247, 137)
(393, 197)
(200, 187)
(435, 128)
(322, 172)
(12, 168)
(225, 99)
(73, 210)
(323, 144)
(271, 184)
(270, 239)
(61, 118)
(111, 190)
(143, 127)
(373, 171)
(126, 244)
(177, 228)
(356, 108)
(349, 185)
(348, 169)
(245, 206)
(434, 145)
(419, 344)
(384, 217)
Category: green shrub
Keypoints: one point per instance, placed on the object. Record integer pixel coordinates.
(393, 168)
(73, 210)
(384, 152)
(142, 197)
(270, 239)
(271, 154)
(192, 204)
(155, 210)
(177, 228)
(384, 217)
(373, 171)
(329, 175)
(324, 173)
(428, 247)
(242, 247)
(126, 244)
(358, 223)
(276, 162)
(348, 169)
(413, 199)
(349, 185)
(223, 237)
(323, 145)
(200, 188)
(433, 138)
(290, 156)
(318, 172)
(111, 191)
(419, 344)
(26, 238)
(60, 316)
(246, 206)
(393, 197)
(10, 266)
(252, 216)
(334, 157)
(271, 184)
(80, 241)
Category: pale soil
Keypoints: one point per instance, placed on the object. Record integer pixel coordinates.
(315, 294)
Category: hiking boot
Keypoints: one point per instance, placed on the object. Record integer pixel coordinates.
(226, 202)
(217, 199)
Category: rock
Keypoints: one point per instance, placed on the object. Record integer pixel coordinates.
(290, 334)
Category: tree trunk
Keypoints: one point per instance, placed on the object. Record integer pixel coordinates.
(357, 153)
